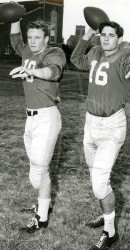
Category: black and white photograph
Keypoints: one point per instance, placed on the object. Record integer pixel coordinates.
(65, 124)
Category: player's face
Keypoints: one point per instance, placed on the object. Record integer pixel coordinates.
(109, 40)
(36, 40)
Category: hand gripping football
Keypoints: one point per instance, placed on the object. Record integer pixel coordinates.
(11, 12)
(94, 16)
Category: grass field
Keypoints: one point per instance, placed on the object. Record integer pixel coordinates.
(74, 203)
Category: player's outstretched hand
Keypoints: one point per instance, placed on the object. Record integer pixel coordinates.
(16, 70)
(21, 73)
(90, 33)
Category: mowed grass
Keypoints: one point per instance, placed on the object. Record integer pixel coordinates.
(74, 203)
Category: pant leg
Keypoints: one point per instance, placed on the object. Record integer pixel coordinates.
(27, 135)
(45, 130)
(88, 142)
(112, 134)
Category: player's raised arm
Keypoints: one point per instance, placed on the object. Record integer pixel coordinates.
(12, 12)
(15, 28)
(16, 38)
(79, 57)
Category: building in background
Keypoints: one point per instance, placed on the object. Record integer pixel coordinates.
(73, 39)
(79, 32)
(50, 11)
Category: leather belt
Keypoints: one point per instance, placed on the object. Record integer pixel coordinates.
(32, 113)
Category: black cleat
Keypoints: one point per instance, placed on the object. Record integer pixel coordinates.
(105, 242)
(97, 222)
(34, 225)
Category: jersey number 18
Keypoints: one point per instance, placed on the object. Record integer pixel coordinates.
(30, 65)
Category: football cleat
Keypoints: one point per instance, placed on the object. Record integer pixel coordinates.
(105, 242)
(34, 225)
(97, 222)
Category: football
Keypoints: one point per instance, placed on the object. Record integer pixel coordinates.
(11, 12)
(94, 16)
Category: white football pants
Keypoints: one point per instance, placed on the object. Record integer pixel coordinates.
(103, 138)
(41, 133)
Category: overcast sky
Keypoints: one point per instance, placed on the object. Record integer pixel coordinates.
(117, 10)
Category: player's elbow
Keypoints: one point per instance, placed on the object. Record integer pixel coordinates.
(77, 63)
(56, 73)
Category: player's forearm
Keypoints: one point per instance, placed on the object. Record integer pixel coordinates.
(15, 28)
(48, 73)
(43, 73)
(17, 42)
(79, 57)
(51, 73)
(90, 33)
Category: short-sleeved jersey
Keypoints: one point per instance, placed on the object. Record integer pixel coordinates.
(108, 88)
(40, 93)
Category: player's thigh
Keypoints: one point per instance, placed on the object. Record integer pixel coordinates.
(109, 145)
(104, 160)
(27, 135)
(106, 154)
(89, 146)
(44, 137)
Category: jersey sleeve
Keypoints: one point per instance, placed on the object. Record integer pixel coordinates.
(78, 57)
(17, 43)
(55, 60)
(125, 63)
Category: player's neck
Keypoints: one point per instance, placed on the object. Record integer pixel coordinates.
(43, 49)
(110, 52)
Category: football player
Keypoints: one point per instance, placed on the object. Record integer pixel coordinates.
(41, 71)
(105, 126)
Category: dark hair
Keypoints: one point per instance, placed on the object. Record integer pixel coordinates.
(38, 25)
(119, 30)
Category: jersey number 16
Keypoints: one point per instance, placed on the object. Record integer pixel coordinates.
(101, 76)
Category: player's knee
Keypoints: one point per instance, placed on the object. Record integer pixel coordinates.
(35, 180)
(98, 193)
(38, 175)
(101, 190)
(37, 160)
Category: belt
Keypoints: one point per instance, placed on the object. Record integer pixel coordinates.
(32, 113)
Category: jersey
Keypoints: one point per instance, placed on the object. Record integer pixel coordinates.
(108, 88)
(40, 93)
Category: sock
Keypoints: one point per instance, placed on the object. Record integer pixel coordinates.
(43, 207)
(109, 223)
